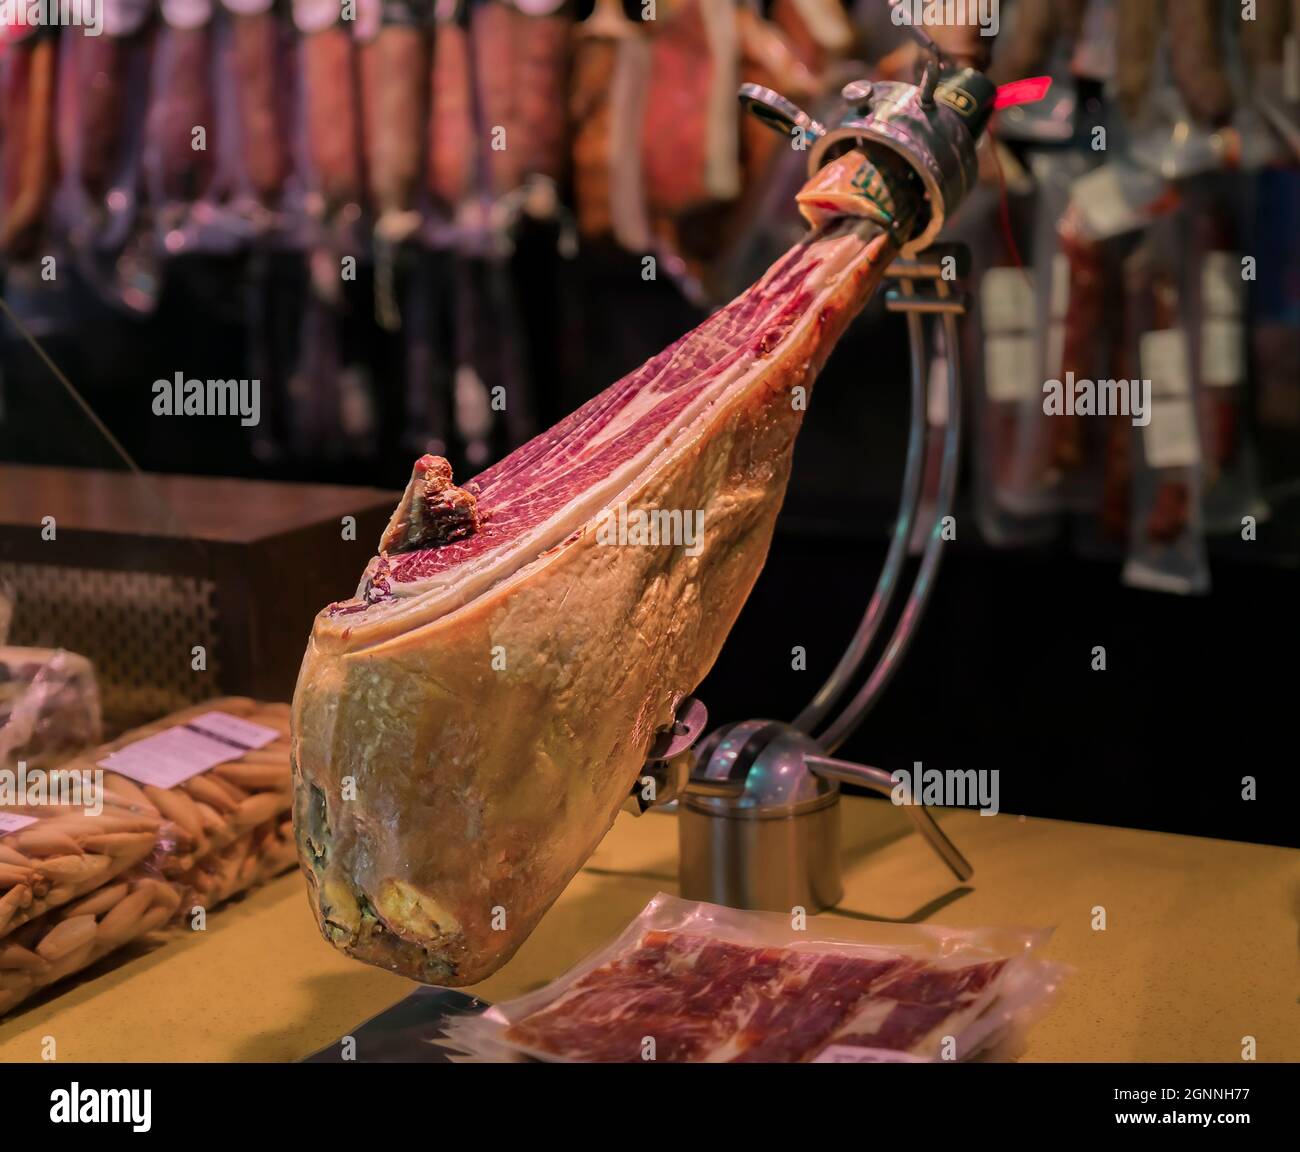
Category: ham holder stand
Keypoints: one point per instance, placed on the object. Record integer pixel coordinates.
(759, 800)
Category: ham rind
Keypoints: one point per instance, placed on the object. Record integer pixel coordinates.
(466, 729)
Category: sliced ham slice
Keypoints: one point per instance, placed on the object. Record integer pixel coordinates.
(466, 727)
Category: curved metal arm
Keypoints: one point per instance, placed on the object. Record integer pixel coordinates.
(934, 54)
(878, 780)
(847, 722)
(887, 583)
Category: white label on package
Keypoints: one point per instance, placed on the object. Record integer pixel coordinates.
(1060, 285)
(1007, 300)
(1105, 204)
(1170, 440)
(848, 1054)
(1010, 370)
(1055, 349)
(1222, 288)
(172, 757)
(9, 822)
(1223, 353)
(1163, 356)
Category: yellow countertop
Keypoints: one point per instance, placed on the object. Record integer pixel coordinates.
(1201, 946)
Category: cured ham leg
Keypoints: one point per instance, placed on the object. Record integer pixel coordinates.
(467, 726)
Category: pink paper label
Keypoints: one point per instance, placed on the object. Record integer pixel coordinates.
(10, 822)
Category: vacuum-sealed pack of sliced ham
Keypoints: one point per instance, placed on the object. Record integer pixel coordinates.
(699, 983)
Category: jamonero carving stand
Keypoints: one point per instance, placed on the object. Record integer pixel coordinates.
(759, 811)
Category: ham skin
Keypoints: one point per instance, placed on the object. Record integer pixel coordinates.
(466, 728)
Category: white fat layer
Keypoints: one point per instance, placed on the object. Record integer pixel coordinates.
(457, 586)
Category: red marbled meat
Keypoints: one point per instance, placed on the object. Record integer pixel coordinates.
(535, 482)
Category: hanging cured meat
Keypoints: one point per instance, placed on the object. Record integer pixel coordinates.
(263, 133)
(491, 690)
(450, 146)
(29, 160)
(611, 66)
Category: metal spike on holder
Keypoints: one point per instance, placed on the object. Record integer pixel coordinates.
(759, 812)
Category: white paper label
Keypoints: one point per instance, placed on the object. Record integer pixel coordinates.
(1106, 209)
(1222, 288)
(10, 822)
(1164, 360)
(1060, 304)
(1007, 300)
(1223, 353)
(847, 1054)
(1055, 349)
(1010, 369)
(172, 757)
(1170, 440)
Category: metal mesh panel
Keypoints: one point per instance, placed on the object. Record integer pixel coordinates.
(138, 628)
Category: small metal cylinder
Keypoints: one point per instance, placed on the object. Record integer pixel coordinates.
(768, 861)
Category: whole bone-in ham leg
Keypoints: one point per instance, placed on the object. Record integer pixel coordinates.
(467, 726)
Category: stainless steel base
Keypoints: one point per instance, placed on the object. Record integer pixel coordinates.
(772, 863)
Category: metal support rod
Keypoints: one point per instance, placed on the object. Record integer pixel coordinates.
(847, 722)
(878, 780)
(886, 584)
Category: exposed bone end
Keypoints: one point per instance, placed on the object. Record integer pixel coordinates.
(432, 510)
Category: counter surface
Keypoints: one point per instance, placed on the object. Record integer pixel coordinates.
(1200, 947)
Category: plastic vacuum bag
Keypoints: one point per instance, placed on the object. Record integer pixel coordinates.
(49, 705)
(695, 982)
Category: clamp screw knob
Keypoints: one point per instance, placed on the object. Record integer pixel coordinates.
(857, 92)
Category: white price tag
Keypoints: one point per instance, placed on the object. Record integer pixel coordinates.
(1007, 300)
(1106, 206)
(847, 1054)
(1222, 288)
(1060, 286)
(1223, 353)
(1170, 440)
(172, 757)
(1164, 360)
(1010, 368)
(1055, 349)
(10, 822)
